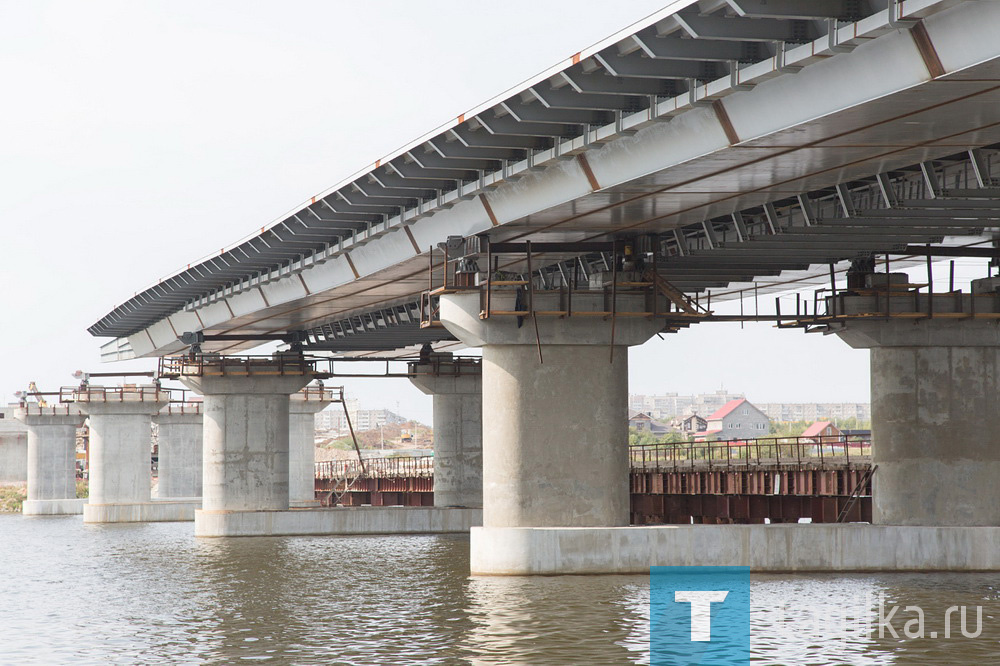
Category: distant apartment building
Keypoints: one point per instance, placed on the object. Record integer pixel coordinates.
(332, 418)
(737, 419)
(668, 405)
(816, 411)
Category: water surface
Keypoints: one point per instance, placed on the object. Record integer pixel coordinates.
(152, 593)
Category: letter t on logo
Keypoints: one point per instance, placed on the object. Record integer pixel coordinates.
(701, 610)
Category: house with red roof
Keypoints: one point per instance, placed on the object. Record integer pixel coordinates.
(737, 419)
(823, 432)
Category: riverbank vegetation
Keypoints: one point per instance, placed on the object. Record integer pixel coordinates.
(12, 497)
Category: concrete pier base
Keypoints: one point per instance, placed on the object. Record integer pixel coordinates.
(156, 511)
(53, 507)
(120, 448)
(246, 430)
(338, 520)
(518, 551)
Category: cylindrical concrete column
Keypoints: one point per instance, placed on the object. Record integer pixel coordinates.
(458, 427)
(555, 410)
(179, 436)
(458, 449)
(120, 443)
(51, 457)
(245, 445)
(555, 445)
(935, 385)
(935, 417)
(303, 407)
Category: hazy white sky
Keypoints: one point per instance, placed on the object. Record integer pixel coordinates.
(136, 137)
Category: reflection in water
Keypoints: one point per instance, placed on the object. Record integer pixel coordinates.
(558, 620)
(155, 594)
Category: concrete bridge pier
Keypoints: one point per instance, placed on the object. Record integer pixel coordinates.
(245, 456)
(179, 437)
(246, 460)
(302, 409)
(120, 458)
(555, 428)
(458, 426)
(555, 495)
(935, 386)
(51, 459)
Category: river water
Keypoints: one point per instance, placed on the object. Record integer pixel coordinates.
(152, 593)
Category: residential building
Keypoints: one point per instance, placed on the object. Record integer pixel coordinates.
(668, 405)
(816, 411)
(639, 420)
(822, 432)
(644, 422)
(691, 424)
(332, 418)
(737, 419)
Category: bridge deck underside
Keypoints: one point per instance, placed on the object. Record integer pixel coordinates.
(795, 158)
(939, 119)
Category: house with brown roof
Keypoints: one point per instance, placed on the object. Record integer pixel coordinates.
(642, 421)
(692, 424)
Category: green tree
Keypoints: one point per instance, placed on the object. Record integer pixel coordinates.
(638, 437)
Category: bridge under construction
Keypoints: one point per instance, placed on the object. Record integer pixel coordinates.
(716, 150)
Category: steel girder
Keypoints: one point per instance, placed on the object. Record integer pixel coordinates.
(660, 60)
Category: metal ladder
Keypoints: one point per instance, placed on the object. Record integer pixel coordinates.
(856, 493)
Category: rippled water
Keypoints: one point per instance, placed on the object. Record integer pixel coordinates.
(152, 593)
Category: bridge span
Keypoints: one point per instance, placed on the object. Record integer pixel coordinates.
(716, 147)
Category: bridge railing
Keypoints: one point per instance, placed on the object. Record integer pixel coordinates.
(401, 466)
(123, 393)
(787, 451)
(678, 456)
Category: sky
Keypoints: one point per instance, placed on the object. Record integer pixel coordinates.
(136, 137)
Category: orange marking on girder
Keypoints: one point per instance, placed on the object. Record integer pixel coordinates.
(413, 241)
(350, 262)
(489, 210)
(727, 124)
(927, 51)
(591, 178)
